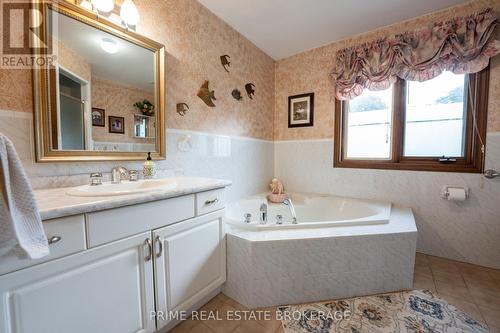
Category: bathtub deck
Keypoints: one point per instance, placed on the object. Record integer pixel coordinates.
(267, 268)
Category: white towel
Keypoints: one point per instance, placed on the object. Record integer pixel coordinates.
(21, 229)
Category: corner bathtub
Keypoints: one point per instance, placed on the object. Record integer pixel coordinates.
(312, 210)
(340, 248)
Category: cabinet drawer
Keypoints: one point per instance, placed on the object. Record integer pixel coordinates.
(210, 201)
(113, 224)
(71, 231)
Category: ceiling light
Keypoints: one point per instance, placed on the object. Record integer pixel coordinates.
(104, 6)
(129, 13)
(86, 4)
(109, 45)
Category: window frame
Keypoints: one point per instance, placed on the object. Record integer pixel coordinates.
(473, 160)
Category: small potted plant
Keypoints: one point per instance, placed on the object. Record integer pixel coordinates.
(146, 107)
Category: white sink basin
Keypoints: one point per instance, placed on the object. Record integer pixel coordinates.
(125, 187)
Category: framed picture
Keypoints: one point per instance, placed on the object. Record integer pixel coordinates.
(116, 124)
(98, 117)
(301, 110)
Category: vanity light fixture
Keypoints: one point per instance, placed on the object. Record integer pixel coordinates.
(129, 13)
(109, 45)
(115, 19)
(86, 4)
(104, 6)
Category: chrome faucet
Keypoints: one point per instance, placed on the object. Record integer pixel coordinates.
(118, 174)
(289, 203)
(263, 213)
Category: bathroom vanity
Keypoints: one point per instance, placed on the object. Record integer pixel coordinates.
(119, 263)
(122, 257)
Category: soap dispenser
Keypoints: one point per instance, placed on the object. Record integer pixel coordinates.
(149, 168)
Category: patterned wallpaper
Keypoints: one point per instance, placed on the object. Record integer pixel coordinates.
(194, 39)
(309, 72)
(117, 100)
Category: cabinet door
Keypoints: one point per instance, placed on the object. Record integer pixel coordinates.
(106, 289)
(190, 264)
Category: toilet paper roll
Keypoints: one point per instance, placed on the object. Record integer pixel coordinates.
(456, 194)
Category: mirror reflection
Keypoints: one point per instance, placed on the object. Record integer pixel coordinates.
(102, 90)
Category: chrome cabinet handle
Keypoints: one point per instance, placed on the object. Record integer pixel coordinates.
(210, 202)
(54, 239)
(147, 242)
(160, 246)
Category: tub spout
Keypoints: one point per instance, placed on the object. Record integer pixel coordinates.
(289, 203)
(263, 213)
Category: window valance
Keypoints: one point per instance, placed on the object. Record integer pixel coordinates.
(462, 45)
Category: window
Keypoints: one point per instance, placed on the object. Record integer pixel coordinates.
(369, 123)
(435, 117)
(428, 125)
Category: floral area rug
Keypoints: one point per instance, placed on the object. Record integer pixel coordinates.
(414, 311)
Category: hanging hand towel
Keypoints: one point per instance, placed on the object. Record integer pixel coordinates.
(21, 229)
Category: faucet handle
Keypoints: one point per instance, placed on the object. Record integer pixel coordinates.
(95, 178)
(133, 175)
(279, 219)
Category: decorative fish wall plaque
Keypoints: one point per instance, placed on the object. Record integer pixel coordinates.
(206, 95)
(236, 95)
(249, 87)
(182, 109)
(224, 60)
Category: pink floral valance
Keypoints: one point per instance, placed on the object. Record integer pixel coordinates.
(460, 45)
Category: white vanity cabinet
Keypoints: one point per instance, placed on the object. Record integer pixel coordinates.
(130, 263)
(106, 289)
(190, 263)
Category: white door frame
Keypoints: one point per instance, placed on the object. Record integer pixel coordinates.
(87, 106)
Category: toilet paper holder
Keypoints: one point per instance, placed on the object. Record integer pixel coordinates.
(445, 191)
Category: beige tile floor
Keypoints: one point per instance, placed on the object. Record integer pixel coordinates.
(474, 289)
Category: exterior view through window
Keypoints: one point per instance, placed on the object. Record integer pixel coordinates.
(413, 125)
(435, 117)
(369, 125)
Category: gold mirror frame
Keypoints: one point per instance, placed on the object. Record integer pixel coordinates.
(41, 92)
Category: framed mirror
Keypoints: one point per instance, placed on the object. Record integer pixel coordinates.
(103, 96)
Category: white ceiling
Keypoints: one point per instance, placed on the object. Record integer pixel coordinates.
(132, 65)
(282, 28)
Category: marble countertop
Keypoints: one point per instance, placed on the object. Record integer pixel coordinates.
(54, 203)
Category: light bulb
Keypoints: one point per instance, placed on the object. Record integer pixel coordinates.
(86, 4)
(115, 19)
(109, 45)
(129, 13)
(104, 6)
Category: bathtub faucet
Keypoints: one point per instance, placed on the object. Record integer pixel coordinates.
(289, 203)
(263, 213)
